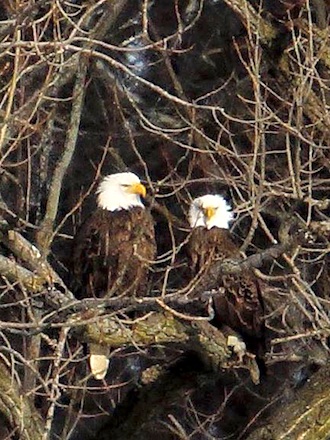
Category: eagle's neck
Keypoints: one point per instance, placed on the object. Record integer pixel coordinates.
(214, 222)
(220, 223)
(118, 200)
(220, 219)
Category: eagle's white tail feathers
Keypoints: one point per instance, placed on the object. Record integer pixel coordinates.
(98, 361)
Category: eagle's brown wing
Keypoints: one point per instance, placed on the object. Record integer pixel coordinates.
(113, 251)
(239, 305)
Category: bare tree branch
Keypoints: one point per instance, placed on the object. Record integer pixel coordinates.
(45, 233)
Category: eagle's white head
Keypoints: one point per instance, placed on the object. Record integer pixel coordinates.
(120, 191)
(210, 211)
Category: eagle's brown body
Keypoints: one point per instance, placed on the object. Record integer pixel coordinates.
(113, 251)
(239, 306)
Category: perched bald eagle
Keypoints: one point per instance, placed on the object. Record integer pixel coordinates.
(114, 248)
(240, 306)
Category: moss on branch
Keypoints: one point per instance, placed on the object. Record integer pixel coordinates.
(163, 328)
(157, 328)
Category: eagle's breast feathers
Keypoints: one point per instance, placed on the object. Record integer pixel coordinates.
(114, 251)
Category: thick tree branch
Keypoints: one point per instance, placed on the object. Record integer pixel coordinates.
(306, 417)
(26, 251)
(18, 274)
(163, 328)
(22, 417)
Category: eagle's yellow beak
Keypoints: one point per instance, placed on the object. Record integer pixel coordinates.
(137, 188)
(209, 212)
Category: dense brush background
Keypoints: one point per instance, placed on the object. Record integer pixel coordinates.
(194, 96)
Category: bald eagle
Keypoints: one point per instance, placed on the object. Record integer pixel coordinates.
(114, 248)
(240, 306)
